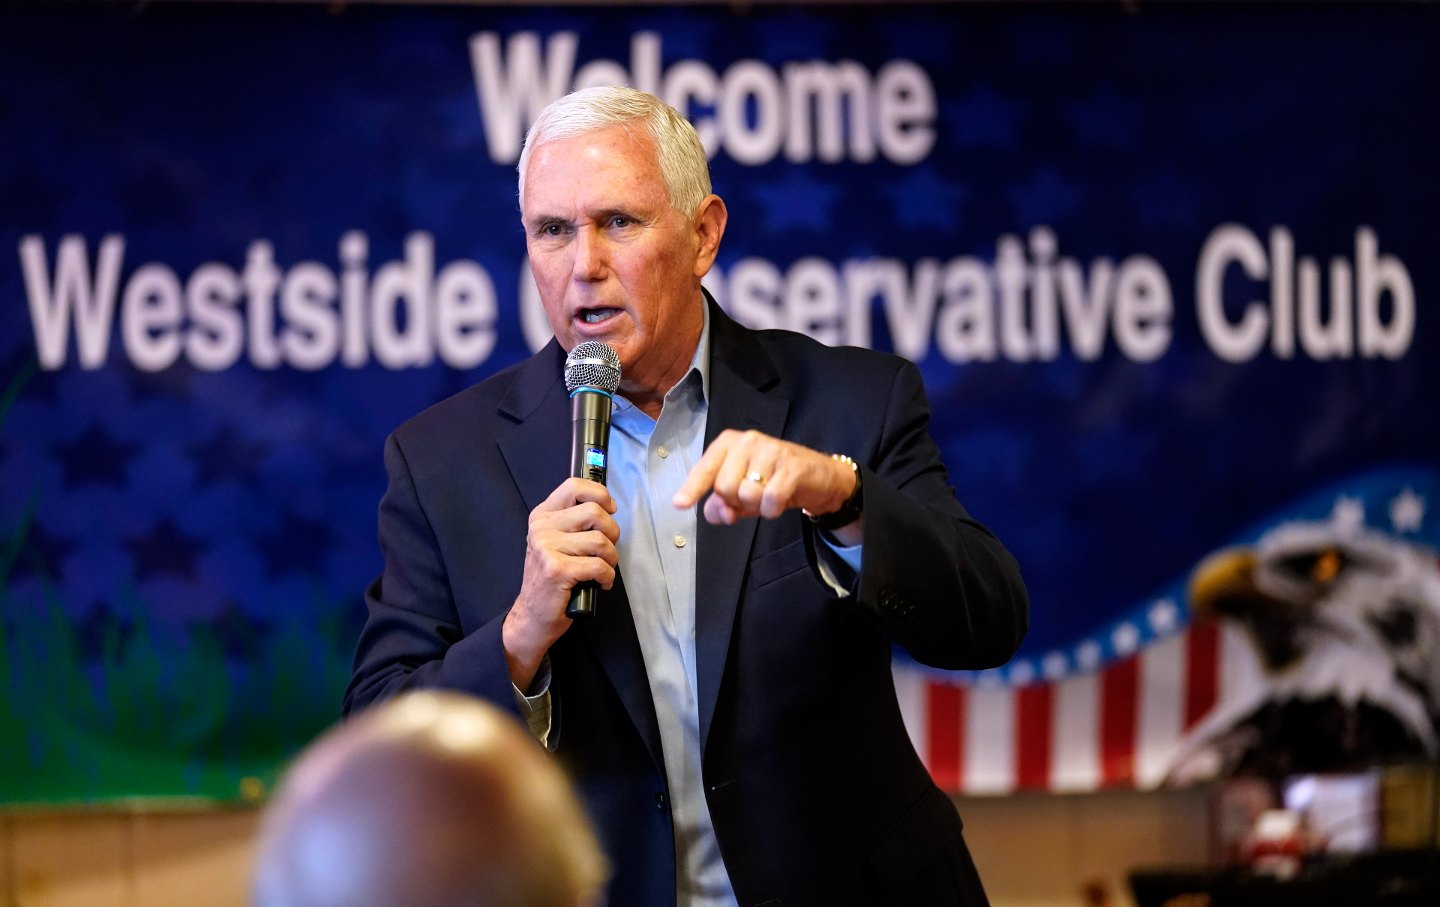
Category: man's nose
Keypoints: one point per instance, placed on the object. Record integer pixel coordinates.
(590, 261)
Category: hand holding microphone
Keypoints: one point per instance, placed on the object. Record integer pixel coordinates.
(570, 537)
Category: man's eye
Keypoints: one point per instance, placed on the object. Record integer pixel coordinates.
(621, 221)
(551, 229)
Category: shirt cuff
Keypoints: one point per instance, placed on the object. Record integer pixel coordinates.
(838, 564)
(536, 706)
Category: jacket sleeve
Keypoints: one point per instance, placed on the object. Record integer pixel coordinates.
(936, 581)
(413, 637)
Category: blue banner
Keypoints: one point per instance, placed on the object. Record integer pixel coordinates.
(1167, 273)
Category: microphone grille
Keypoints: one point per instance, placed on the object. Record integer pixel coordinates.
(592, 364)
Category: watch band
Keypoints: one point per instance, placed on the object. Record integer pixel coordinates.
(849, 511)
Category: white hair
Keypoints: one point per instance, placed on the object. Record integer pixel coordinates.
(683, 166)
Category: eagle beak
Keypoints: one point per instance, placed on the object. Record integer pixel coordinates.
(1223, 586)
(1223, 577)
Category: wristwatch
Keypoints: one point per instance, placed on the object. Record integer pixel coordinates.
(849, 511)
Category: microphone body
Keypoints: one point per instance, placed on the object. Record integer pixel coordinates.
(589, 434)
(589, 457)
(592, 374)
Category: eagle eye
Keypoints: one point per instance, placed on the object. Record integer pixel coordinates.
(1326, 567)
(1320, 567)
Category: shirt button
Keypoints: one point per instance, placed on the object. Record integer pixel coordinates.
(679, 541)
(662, 451)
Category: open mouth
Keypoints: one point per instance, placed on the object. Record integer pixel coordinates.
(596, 316)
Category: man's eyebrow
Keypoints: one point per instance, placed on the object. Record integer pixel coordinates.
(631, 212)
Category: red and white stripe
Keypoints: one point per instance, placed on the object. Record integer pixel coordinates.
(1118, 726)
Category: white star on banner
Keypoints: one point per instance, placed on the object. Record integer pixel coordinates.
(1164, 616)
(1126, 638)
(1349, 514)
(1087, 654)
(1407, 511)
(1054, 665)
(1021, 673)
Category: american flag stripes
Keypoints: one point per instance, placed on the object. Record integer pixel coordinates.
(1119, 725)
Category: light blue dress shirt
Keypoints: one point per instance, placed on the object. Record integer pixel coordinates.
(649, 460)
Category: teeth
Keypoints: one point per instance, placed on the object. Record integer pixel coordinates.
(595, 316)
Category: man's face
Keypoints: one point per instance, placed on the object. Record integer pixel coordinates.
(613, 260)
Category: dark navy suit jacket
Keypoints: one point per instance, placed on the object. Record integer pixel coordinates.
(816, 793)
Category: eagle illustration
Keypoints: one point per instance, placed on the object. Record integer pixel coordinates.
(1343, 623)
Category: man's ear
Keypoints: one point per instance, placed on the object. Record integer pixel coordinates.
(710, 220)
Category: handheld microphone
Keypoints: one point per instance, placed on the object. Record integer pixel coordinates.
(592, 373)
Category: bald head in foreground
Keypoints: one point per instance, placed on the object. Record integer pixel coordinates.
(430, 800)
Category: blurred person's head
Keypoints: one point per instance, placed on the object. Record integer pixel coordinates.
(429, 800)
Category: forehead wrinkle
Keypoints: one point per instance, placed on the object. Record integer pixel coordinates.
(610, 156)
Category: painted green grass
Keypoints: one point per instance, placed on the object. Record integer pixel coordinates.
(157, 714)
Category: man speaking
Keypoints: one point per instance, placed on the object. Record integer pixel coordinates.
(775, 516)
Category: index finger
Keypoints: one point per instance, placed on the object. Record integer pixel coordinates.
(574, 491)
(702, 478)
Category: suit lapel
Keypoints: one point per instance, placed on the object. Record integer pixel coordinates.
(740, 373)
(536, 446)
(611, 635)
(536, 449)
